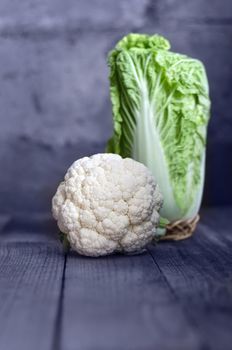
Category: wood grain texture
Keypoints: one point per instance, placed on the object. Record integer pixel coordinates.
(30, 285)
(174, 296)
(122, 302)
(199, 272)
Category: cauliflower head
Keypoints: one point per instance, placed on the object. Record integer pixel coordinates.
(107, 204)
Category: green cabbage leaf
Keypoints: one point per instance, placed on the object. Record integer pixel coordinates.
(160, 103)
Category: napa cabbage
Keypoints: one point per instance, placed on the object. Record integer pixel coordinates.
(160, 102)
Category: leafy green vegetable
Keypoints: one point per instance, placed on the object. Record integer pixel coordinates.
(64, 241)
(161, 105)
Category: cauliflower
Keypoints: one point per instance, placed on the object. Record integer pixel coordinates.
(107, 204)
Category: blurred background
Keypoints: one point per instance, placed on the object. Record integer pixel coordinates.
(54, 95)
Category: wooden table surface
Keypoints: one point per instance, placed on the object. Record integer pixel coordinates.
(175, 296)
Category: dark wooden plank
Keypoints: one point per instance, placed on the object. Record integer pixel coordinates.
(177, 296)
(30, 287)
(219, 220)
(199, 271)
(122, 302)
(21, 228)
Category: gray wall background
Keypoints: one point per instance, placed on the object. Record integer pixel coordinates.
(54, 96)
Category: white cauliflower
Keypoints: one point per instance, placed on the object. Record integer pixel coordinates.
(107, 204)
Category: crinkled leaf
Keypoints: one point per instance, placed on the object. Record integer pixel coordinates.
(161, 108)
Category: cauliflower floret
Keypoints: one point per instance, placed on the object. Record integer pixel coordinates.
(107, 204)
